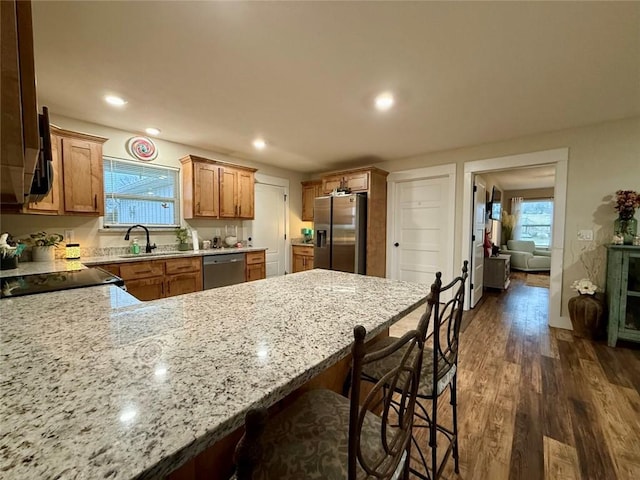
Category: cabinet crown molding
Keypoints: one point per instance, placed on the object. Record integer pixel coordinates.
(55, 130)
(196, 158)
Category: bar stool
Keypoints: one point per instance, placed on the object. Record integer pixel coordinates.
(324, 435)
(439, 369)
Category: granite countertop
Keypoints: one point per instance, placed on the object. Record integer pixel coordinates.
(95, 385)
(32, 268)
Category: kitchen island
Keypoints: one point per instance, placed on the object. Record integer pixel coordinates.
(97, 385)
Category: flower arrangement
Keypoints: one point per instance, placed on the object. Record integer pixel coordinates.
(508, 224)
(182, 234)
(626, 203)
(584, 286)
(43, 239)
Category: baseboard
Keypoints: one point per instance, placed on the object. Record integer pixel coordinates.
(561, 322)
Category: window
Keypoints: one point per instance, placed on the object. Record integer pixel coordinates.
(136, 192)
(536, 218)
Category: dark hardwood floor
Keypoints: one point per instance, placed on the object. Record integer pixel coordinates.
(536, 402)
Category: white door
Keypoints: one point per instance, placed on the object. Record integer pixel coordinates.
(269, 226)
(477, 262)
(421, 242)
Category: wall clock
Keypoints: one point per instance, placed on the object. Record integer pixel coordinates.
(142, 148)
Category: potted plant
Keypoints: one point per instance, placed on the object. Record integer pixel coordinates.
(182, 234)
(44, 244)
(9, 252)
(626, 226)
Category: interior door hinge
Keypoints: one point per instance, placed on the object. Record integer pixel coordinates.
(475, 188)
(285, 236)
(285, 197)
(472, 286)
(473, 238)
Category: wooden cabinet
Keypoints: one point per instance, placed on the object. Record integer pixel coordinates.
(236, 193)
(357, 181)
(497, 271)
(255, 266)
(18, 116)
(153, 279)
(78, 182)
(212, 189)
(373, 181)
(310, 190)
(623, 293)
(302, 258)
(51, 204)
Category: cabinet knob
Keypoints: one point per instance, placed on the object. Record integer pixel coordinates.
(396, 244)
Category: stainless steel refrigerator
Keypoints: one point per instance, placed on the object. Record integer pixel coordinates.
(340, 223)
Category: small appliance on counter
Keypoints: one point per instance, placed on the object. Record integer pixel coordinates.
(51, 282)
(216, 242)
(307, 235)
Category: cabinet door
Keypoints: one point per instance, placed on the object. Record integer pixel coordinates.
(308, 263)
(255, 272)
(183, 265)
(298, 263)
(228, 192)
(358, 182)
(205, 190)
(51, 203)
(183, 283)
(308, 198)
(329, 184)
(246, 200)
(147, 288)
(113, 268)
(138, 270)
(82, 170)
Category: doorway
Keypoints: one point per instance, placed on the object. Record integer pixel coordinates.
(559, 158)
(270, 225)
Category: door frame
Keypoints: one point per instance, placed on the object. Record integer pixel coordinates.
(447, 170)
(559, 157)
(280, 182)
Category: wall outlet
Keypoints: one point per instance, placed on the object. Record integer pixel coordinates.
(586, 235)
(68, 236)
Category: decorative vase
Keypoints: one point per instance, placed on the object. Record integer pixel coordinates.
(8, 263)
(627, 228)
(587, 315)
(43, 254)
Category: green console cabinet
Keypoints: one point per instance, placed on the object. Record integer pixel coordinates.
(623, 293)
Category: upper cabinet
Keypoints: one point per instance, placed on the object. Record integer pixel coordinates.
(18, 116)
(78, 183)
(357, 181)
(310, 190)
(212, 189)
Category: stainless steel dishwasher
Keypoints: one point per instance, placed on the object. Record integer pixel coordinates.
(223, 269)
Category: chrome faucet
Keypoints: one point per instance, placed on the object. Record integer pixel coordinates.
(149, 247)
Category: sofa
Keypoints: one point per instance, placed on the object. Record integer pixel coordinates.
(525, 257)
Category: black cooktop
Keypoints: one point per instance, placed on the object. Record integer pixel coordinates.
(51, 282)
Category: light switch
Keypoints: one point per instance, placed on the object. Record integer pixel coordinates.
(585, 235)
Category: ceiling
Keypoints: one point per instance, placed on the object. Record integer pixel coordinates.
(525, 178)
(303, 74)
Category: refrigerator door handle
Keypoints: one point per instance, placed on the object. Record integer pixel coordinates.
(321, 238)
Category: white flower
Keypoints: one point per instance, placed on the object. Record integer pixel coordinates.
(584, 286)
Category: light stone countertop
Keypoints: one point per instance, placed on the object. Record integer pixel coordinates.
(33, 268)
(95, 385)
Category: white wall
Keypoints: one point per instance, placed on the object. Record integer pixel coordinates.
(87, 229)
(603, 158)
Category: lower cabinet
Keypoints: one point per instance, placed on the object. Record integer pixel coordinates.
(497, 271)
(302, 258)
(150, 280)
(255, 266)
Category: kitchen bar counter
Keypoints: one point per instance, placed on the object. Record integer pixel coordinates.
(119, 392)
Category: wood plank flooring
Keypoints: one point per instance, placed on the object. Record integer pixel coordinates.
(536, 403)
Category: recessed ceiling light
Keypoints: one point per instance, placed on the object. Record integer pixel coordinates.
(113, 100)
(259, 144)
(384, 101)
(152, 131)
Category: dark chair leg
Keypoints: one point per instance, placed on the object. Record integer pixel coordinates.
(432, 438)
(454, 405)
